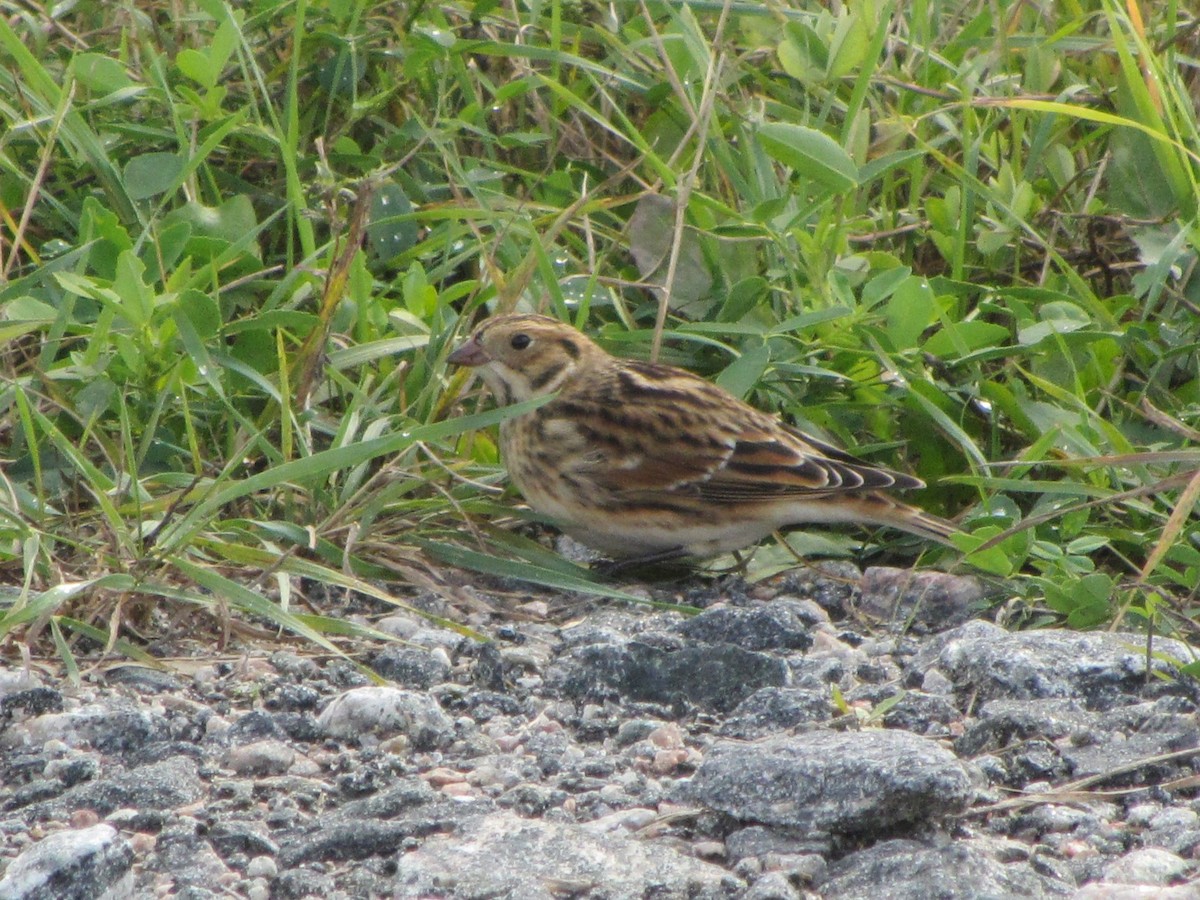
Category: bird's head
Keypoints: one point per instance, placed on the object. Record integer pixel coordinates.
(521, 357)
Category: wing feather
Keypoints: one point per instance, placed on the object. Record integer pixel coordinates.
(659, 429)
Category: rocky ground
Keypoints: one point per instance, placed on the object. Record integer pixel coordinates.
(834, 735)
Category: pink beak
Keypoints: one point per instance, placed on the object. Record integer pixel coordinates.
(469, 354)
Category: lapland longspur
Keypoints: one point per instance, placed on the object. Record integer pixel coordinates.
(649, 461)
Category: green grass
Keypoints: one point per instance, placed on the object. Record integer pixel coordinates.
(237, 242)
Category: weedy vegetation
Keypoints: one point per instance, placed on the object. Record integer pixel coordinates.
(238, 239)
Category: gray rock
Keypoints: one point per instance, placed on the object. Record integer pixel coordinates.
(934, 601)
(189, 857)
(759, 840)
(113, 727)
(1104, 891)
(1149, 865)
(387, 711)
(269, 757)
(501, 855)
(773, 709)
(908, 870)
(832, 781)
(832, 584)
(714, 676)
(1095, 667)
(14, 680)
(72, 865)
(1133, 755)
(1002, 723)
(773, 886)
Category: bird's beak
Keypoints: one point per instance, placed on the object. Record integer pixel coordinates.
(470, 353)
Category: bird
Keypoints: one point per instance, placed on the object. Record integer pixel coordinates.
(646, 462)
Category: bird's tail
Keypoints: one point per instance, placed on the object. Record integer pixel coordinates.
(885, 510)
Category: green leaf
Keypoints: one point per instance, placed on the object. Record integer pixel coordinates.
(911, 309)
(197, 66)
(848, 45)
(151, 174)
(995, 560)
(960, 338)
(100, 73)
(741, 375)
(391, 229)
(229, 222)
(810, 153)
(1057, 317)
(883, 286)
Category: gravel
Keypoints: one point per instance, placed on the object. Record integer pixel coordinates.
(814, 735)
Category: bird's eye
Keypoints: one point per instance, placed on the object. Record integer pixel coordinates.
(520, 341)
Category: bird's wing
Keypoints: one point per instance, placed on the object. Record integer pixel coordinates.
(646, 430)
(773, 460)
(655, 428)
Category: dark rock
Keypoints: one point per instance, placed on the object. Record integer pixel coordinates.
(301, 668)
(338, 840)
(231, 837)
(926, 714)
(116, 727)
(31, 702)
(157, 751)
(716, 676)
(489, 669)
(407, 795)
(816, 673)
(294, 697)
(1002, 723)
(148, 820)
(772, 627)
(295, 884)
(410, 667)
(1134, 760)
(486, 704)
(300, 726)
(78, 770)
(907, 870)
(1035, 760)
(34, 792)
(143, 679)
(189, 857)
(830, 781)
(20, 767)
(256, 725)
(832, 584)
(165, 785)
(773, 709)
(529, 800)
